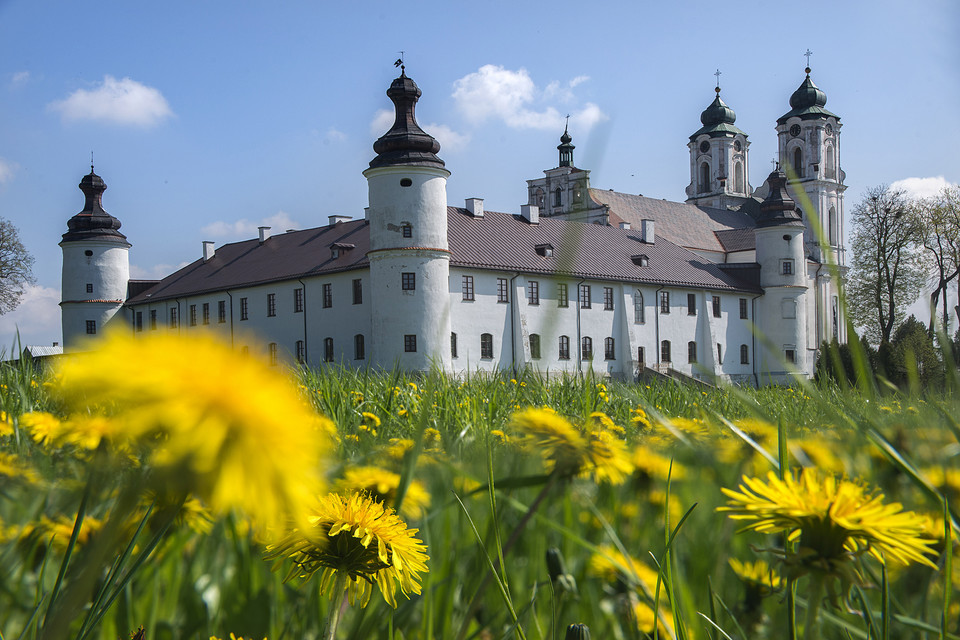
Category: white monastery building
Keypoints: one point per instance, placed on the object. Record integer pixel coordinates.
(734, 284)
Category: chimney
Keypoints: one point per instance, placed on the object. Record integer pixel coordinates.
(530, 213)
(335, 219)
(264, 234)
(625, 226)
(475, 207)
(647, 232)
(208, 250)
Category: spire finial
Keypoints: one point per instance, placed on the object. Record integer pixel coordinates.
(399, 63)
(774, 165)
(91, 162)
(566, 126)
(717, 73)
(808, 53)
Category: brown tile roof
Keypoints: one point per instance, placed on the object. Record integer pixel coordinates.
(737, 239)
(684, 224)
(497, 241)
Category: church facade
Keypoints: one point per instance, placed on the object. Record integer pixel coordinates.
(733, 284)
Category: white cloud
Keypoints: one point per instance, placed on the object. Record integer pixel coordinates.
(246, 229)
(19, 79)
(334, 135)
(125, 102)
(382, 121)
(449, 139)
(512, 96)
(155, 272)
(37, 319)
(6, 171)
(922, 187)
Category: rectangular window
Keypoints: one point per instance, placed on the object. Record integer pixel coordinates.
(298, 300)
(410, 343)
(407, 230)
(272, 348)
(502, 295)
(609, 350)
(408, 281)
(744, 354)
(206, 313)
(791, 355)
(486, 345)
(716, 306)
(563, 295)
(467, 287)
(533, 292)
(638, 315)
(139, 321)
(153, 319)
(193, 315)
(327, 296)
(586, 348)
(534, 346)
(691, 304)
(584, 296)
(271, 304)
(743, 308)
(786, 267)
(664, 302)
(608, 298)
(328, 349)
(358, 291)
(301, 351)
(89, 287)
(359, 351)
(665, 351)
(564, 353)
(691, 352)
(221, 311)
(453, 345)
(174, 318)
(244, 309)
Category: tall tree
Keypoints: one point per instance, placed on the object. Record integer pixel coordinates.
(887, 271)
(940, 217)
(16, 267)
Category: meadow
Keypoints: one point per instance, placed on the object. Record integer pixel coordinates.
(174, 500)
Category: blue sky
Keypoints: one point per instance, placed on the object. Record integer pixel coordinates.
(209, 118)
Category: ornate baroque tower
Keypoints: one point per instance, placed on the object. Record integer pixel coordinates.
(782, 309)
(562, 190)
(719, 166)
(409, 255)
(809, 148)
(96, 267)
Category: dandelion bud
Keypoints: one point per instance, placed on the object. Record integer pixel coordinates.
(578, 631)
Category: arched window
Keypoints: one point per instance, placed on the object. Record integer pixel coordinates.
(638, 316)
(486, 345)
(558, 197)
(272, 349)
(538, 198)
(328, 349)
(744, 354)
(358, 347)
(609, 350)
(704, 184)
(535, 346)
(691, 352)
(665, 351)
(586, 348)
(831, 168)
(564, 353)
(798, 161)
(738, 177)
(832, 226)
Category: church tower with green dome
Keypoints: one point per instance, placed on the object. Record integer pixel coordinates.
(809, 150)
(719, 167)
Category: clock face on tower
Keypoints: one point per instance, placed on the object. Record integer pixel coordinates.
(829, 129)
(736, 145)
(795, 130)
(704, 146)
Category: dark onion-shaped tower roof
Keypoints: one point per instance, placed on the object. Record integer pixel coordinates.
(718, 119)
(778, 209)
(93, 222)
(406, 143)
(807, 102)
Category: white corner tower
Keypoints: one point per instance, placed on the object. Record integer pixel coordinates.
(96, 267)
(781, 318)
(409, 254)
(809, 147)
(719, 168)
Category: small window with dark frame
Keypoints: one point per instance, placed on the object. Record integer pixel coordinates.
(298, 300)
(743, 308)
(327, 295)
(786, 267)
(609, 351)
(357, 291)
(453, 345)
(586, 348)
(533, 292)
(272, 350)
(138, 323)
(534, 346)
(608, 298)
(410, 343)
(467, 288)
(301, 350)
(174, 318)
(584, 296)
(408, 281)
(89, 287)
(692, 352)
(206, 313)
(564, 351)
(328, 349)
(502, 291)
(691, 304)
(790, 355)
(486, 345)
(244, 309)
(221, 311)
(359, 351)
(407, 231)
(638, 312)
(271, 305)
(193, 315)
(664, 302)
(716, 306)
(153, 319)
(744, 354)
(719, 353)
(665, 351)
(563, 295)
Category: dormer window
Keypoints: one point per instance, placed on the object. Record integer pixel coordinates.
(339, 248)
(641, 260)
(334, 253)
(545, 250)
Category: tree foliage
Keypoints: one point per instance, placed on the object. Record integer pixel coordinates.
(16, 267)
(887, 267)
(940, 220)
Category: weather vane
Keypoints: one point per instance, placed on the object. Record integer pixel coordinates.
(399, 63)
(808, 54)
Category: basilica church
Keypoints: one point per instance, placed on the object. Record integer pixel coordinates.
(734, 284)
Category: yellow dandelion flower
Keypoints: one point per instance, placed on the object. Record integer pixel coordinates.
(639, 418)
(6, 427)
(382, 485)
(357, 537)
(232, 430)
(57, 531)
(610, 565)
(356, 397)
(431, 437)
(570, 451)
(14, 468)
(499, 436)
(232, 637)
(650, 465)
(370, 419)
(643, 613)
(351, 438)
(44, 428)
(602, 420)
(757, 575)
(832, 520)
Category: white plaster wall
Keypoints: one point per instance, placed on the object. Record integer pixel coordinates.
(423, 206)
(108, 270)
